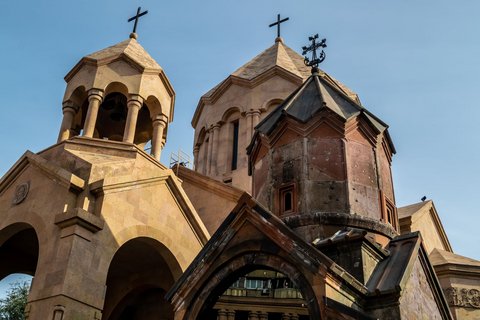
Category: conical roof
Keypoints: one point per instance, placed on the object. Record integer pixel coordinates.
(279, 56)
(314, 95)
(129, 49)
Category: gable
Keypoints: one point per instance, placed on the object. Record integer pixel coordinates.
(424, 218)
(250, 236)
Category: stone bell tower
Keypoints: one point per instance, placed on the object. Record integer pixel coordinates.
(321, 161)
(119, 93)
(102, 226)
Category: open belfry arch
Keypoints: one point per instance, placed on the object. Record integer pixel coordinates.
(102, 226)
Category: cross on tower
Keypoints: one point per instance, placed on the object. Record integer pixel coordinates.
(316, 60)
(278, 24)
(135, 17)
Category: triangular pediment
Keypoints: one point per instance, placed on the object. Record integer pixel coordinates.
(248, 235)
(54, 172)
(423, 217)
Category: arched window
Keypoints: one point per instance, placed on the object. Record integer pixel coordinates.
(287, 199)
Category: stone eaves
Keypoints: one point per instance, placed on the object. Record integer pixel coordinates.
(311, 97)
(441, 257)
(206, 183)
(129, 50)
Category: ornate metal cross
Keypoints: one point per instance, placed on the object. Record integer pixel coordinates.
(278, 24)
(316, 60)
(135, 17)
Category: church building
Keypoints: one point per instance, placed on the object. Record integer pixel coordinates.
(288, 213)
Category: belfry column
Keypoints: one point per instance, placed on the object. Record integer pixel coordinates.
(196, 149)
(253, 315)
(262, 315)
(95, 97)
(133, 105)
(253, 118)
(213, 158)
(249, 115)
(222, 314)
(159, 124)
(230, 314)
(69, 111)
(209, 151)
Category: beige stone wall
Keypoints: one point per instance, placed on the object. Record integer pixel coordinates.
(417, 301)
(127, 190)
(244, 104)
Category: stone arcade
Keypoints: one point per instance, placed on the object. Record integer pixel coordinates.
(289, 214)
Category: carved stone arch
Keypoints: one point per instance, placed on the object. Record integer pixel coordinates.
(227, 115)
(247, 261)
(200, 150)
(269, 105)
(201, 137)
(154, 106)
(117, 87)
(79, 100)
(112, 113)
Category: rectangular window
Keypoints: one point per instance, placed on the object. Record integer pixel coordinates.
(234, 145)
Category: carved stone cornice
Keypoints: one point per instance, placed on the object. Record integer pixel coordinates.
(463, 297)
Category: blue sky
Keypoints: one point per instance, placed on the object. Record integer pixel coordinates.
(413, 63)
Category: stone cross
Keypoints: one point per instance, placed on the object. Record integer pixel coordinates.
(135, 17)
(278, 24)
(316, 60)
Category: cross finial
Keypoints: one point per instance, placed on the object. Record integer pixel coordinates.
(135, 17)
(278, 24)
(316, 60)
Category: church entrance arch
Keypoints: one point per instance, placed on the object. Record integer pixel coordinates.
(140, 273)
(256, 286)
(19, 250)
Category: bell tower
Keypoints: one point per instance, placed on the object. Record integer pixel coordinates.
(321, 161)
(105, 228)
(119, 93)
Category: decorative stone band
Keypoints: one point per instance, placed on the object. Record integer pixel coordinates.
(340, 219)
(462, 297)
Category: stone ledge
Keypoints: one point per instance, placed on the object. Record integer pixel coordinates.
(340, 219)
(79, 217)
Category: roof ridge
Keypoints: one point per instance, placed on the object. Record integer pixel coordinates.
(288, 60)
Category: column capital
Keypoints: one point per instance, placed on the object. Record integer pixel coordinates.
(214, 127)
(96, 94)
(252, 112)
(69, 106)
(160, 119)
(135, 100)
